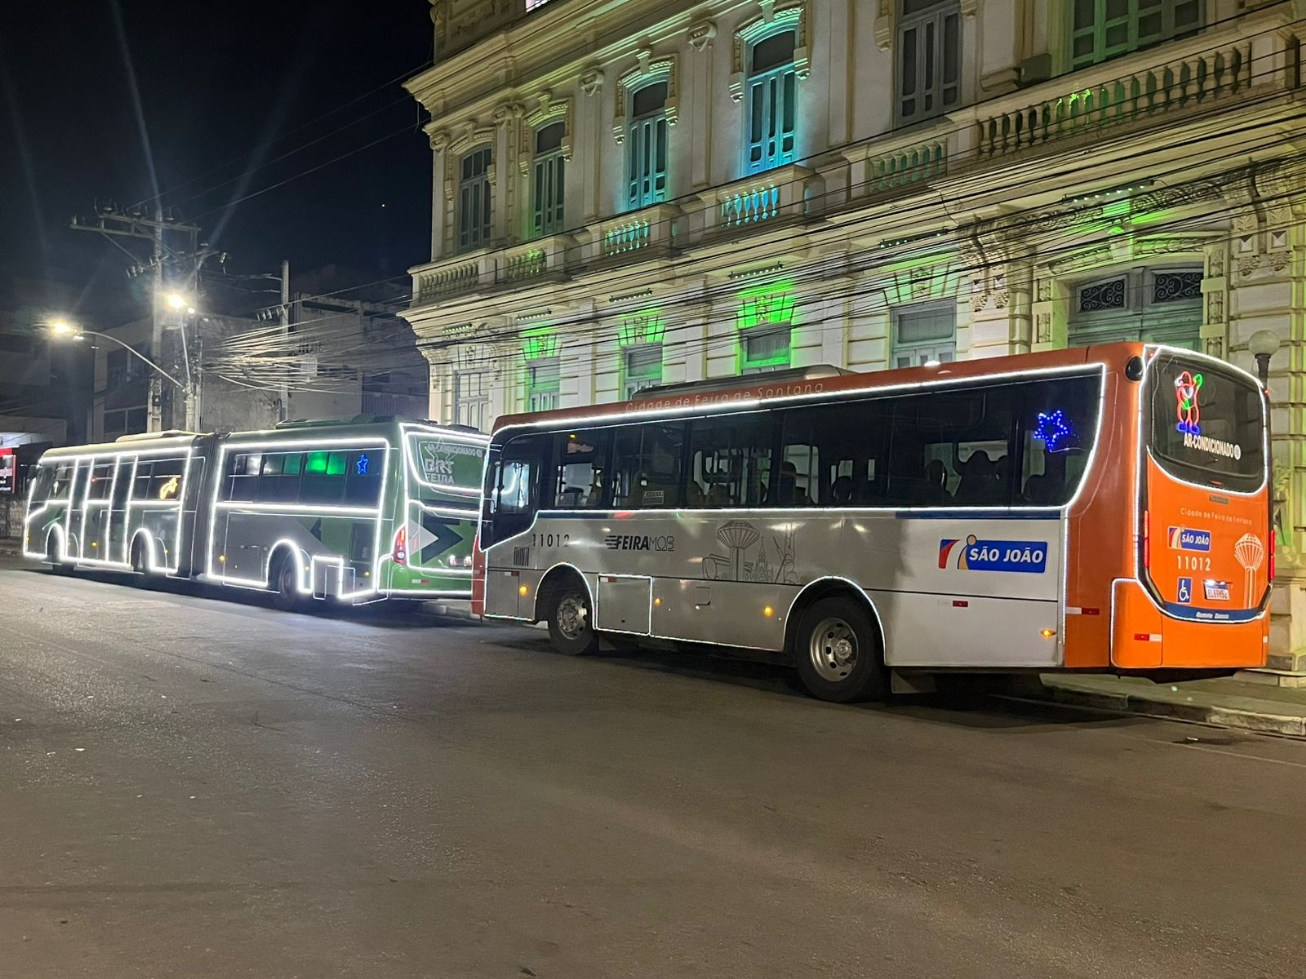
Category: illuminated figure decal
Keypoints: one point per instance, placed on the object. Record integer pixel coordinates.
(1055, 431)
(1187, 410)
(169, 489)
(362, 465)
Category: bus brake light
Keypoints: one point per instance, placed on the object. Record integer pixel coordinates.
(400, 551)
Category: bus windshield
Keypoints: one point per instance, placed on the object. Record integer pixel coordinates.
(1207, 424)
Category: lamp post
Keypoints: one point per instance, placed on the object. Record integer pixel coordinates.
(65, 330)
(1263, 344)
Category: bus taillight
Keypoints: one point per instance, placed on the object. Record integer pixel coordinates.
(399, 553)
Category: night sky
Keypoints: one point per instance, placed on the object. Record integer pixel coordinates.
(217, 83)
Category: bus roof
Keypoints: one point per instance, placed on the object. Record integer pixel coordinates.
(307, 431)
(299, 432)
(760, 391)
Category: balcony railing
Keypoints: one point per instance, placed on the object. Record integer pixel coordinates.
(761, 198)
(649, 231)
(486, 269)
(1182, 75)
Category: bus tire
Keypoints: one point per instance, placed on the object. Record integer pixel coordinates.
(285, 582)
(837, 652)
(140, 565)
(571, 618)
(57, 554)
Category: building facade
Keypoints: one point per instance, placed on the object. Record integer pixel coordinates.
(656, 192)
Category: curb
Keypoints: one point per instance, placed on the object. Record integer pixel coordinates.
(1227, 717)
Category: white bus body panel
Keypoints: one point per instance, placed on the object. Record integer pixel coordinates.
(950, 589)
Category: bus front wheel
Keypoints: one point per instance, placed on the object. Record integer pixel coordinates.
(285, 583)
(837, 654)
(571, 620)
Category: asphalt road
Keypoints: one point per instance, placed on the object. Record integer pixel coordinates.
(201, 787)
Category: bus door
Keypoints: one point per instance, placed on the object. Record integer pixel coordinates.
(116, 539)
(1205, 550)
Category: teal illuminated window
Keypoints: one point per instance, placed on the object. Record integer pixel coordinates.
(646, 146)
(336, 464)
(1102, 29)
(549, 188)
(772, 102)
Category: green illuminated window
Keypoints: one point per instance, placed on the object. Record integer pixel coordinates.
(1103, 29)
(317, 463)
(336, 464)
(764, 348)
(641, 367)
(924, 333)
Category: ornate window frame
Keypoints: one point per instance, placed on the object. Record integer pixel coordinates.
(773, 20)
(647, 72)
(886, 20)
(452, 149)
(547, 110)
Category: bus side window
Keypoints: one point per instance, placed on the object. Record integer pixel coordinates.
(582, 470)
(1059, 418)
(730, 455)
(514, 490)
(646, 467)
(951, 449)
(242, 476)
(829, 454)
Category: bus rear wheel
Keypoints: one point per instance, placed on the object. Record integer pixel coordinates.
(571, 620)
(837, 653)
(285, 583)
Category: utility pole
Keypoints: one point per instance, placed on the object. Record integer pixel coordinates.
(112, 224)
(285, 335)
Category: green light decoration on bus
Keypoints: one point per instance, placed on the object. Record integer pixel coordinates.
(317, 463)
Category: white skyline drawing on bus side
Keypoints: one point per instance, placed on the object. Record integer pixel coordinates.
(748, 557)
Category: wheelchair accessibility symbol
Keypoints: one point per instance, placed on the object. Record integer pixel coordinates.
(1185, 591)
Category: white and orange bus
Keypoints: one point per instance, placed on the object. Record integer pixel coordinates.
(1103, 509)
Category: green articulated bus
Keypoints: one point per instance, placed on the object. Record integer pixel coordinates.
(355, 511)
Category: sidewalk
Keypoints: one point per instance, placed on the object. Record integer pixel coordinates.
(1249, 701)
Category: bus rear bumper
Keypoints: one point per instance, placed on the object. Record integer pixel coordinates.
(1145, 638)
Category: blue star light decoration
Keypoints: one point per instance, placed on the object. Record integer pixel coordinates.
(1054, 430)
(362, 465)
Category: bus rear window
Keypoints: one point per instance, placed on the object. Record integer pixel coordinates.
(1207, 423)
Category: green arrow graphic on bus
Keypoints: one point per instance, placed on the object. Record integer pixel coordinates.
(444, 537)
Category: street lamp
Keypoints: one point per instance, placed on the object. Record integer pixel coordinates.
(64, 329)
(1263, 344)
